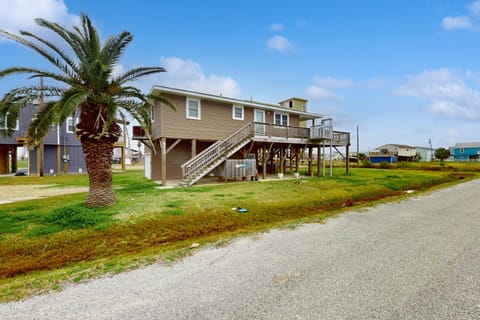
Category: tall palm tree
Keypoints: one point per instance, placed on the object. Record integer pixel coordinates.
(85, 87)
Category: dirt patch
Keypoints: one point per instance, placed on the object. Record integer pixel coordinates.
(29, 192)
(461, 175)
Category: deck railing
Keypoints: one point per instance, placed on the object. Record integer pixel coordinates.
(321, 132)
(221, 149)
(273, 130)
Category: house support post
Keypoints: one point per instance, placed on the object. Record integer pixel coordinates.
(59, 159)
(347, 160)
(282, 159)
(40, 158)
(124, 168)
(319, 160)
(14, 159)
(264, 162)
(297, 158)
(194, 147)
(309, 160)
(163, 160)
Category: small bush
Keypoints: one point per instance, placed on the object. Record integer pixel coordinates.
(76, 217)
(384, 165)
(366, 164)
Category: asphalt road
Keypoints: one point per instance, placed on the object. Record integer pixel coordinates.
(414, 259)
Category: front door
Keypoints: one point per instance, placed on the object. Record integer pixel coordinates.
(259, 121)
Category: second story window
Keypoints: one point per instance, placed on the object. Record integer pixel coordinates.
(70, 125)
(237, 112)
(152, 113)
(193, 109)
(4, 123)
(281, 119)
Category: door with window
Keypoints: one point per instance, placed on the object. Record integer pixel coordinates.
(259, 119)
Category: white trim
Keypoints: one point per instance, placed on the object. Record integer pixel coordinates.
(4, 126)
(233, 112)
(67, 125)
(187, 108)
(281, 118)
(259, 128)
(245, 103)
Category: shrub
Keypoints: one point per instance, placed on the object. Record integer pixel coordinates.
(384, 165)
(76, 217)
(366, 164)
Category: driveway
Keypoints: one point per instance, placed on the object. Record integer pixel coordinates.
(29, 192)
(414, 259)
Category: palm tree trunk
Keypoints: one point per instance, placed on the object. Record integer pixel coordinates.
(98, 156)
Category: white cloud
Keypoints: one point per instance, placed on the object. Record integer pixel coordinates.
(465, 22)
(188, 74)
(334, 83)
(376, 83)
(460, 22)
(18, 15)
(317, 92)
(322, 87)
(276, 27)
(447, 91)
(279, 43)
(474, 8)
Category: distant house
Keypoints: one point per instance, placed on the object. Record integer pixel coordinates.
(131, 155)
(208, 132)
(62, 150)
(469, 151)
(401, 152)
(378, 157)
(424, 154)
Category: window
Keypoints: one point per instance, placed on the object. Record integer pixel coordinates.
(152, 113)
(281, 119)
(70, 125)
(461, 150)
(4, 123)
(237, 112)
(193, 108)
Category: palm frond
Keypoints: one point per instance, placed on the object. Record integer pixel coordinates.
(41, 123)
(56, 62)
(114, 47)
(9, 113)
(136, 73)
(70, 65)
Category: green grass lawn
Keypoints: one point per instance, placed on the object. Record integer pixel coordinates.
(49, 241)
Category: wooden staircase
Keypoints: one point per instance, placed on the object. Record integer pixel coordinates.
(210, 158)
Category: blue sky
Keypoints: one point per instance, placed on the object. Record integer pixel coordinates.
(404, 71)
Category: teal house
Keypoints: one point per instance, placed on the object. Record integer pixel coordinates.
(469, 151)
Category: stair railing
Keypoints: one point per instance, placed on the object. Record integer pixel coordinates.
(216, 151)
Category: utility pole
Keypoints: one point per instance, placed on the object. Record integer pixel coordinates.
(358, 149)
(41, 146)
(431, 149)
